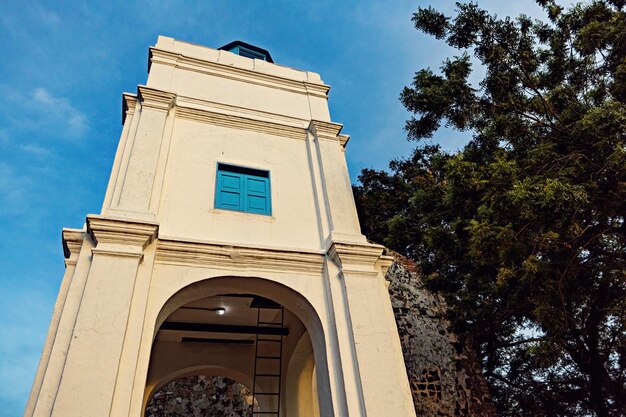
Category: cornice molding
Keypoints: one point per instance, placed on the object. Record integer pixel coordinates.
(325, 130)
(129, 103)
(285, 127)
(238, 122)
(385, 262)
(72, 242)
(237, 257)
(115, 231)
(177, 60)
(223, 108)
(361, 259)
(343, 140)
(121, 253)
(155, 99)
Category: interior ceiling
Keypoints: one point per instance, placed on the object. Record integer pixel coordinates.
(238, 312)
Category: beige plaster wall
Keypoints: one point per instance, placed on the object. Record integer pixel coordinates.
(300, 391)
(188, 211)
(268, 87)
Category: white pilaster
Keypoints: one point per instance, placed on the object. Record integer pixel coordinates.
(91, 367)
(381, 373)
(133, 196)
(335, 182)
(72, 243)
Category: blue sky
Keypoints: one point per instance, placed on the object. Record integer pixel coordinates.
(65, 64)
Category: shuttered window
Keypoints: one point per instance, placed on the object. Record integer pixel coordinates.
(243, 189)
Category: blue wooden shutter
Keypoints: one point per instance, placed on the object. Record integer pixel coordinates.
(230, 190)
(257, 195)
(243, 189)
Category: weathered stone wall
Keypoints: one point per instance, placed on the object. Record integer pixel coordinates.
(444, 374)
(201, 396)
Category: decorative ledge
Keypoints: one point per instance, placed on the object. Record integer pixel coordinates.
(385, 262)
(117, 252)
(155, 99)
(237, 257)
(239, 122)
(114, 231)
(72, 242)
(163, 100)
(251, 76)
(247, 112)
(343, 140)
(325, 130)
(129, 102)
(365, 259)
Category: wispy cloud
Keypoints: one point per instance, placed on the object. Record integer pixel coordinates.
(42, 113)
(58, 110)
(45, 16)
(36, 150)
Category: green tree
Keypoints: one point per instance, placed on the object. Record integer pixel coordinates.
(523, 230)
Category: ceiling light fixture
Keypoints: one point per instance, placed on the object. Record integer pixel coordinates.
(217, 310)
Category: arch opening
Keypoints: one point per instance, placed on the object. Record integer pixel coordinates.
(248, 330)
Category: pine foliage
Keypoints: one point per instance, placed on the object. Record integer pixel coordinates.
(523, 230)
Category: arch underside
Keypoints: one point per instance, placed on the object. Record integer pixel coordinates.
(210, 328)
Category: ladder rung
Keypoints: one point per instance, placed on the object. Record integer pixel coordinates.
(266, 375)
(270, 323)
(269, 340)
(268, 357)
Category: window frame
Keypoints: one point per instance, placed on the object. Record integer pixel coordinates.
(249, 53)
(245, 175)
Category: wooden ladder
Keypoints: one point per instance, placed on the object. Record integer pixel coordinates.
(268, 354)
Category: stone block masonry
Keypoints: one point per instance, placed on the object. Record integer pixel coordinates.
(444, 373)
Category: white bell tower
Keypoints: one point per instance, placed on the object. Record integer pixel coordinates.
(228, 245)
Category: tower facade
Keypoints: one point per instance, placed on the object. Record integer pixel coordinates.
(228, 245)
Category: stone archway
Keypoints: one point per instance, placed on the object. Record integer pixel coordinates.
(209, 327)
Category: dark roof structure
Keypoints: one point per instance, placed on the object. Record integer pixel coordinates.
(236, 46)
